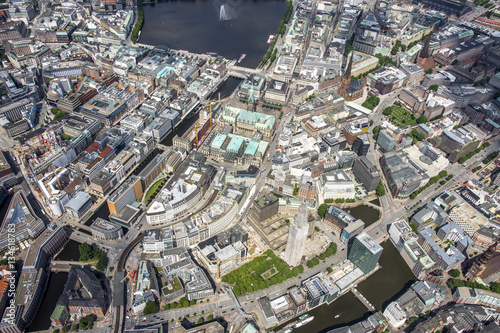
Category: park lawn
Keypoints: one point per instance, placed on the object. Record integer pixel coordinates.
(153, 188)
(403, 116)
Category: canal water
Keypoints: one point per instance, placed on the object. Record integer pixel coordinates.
(226, 88)
(368, 214)
(49, 300)
(196, 26)
(70, 252)
(381, 288)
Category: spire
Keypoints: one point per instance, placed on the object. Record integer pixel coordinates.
(346, 79)
(488, 254)
(349, 66)
(425, 51)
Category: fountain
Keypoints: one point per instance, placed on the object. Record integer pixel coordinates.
(223, 15)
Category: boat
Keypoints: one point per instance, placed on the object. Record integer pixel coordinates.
(303, 322)
(304, 316)
(289, 330)
(337, 316)
(270, 39)
(242, 57)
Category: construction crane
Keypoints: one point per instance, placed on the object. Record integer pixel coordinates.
(21, 151)
(210, 106)
(218, 261)
(131, 279)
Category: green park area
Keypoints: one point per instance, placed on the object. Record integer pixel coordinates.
(152, 190)
(399, 116)
(260, 273)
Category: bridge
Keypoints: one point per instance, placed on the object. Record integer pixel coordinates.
(243, 72)
(363, 300)
(65, 266)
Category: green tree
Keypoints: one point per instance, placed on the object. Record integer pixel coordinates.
(414, 228)
(388, 110)
(422, 119)
(295, 190)
(433, 87)
(74, 328)
(375, 132)
(200, 321)
(454, 273)
(380, 189)
(329, 270)
(150, 308)
(429, 71)
(64, 329)
(86, 252)
(322, 210)
(210, 318)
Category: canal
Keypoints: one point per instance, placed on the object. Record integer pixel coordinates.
(54, 289)
(200, 26)
(380, 289)
(226, 89)
(368, 214)
(70, 252)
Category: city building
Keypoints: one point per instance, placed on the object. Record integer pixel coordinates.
(247, 123)
(78, 205)
(430, 214)
(263, 208)
(129, 191)
(183, 190)
(297, 235)
(364, 170)
(459, 142)
(20, 221)
(386, 79)
(445, 259)
(82, 295)
(386, 140)
(406, 242)
(336, 184)
(365, 252)
(361, 145)
(402, 178)
(104, 230)
(339, 220)
(464, 295)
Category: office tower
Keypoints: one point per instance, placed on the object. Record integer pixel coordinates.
(365, 252)
(297, 235)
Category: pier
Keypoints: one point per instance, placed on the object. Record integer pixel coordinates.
(363, 300)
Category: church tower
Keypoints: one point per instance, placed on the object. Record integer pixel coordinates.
(346, 79)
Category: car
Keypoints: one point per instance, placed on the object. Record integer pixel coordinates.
(223, 311)
(143, 320)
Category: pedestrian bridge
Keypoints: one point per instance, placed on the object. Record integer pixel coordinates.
(363, 300)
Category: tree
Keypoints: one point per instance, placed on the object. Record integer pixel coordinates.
(454, 273)
(371, 122)
(433, 87)
(210, 318)
(422, 119)
(74, 328)
(429, 71)
(414, 228)
(322, 210)
(329, 270)
(380, 189)
(86, 252)
(200, 321)
(150, 308)
(375, 132)
(64, 329)
(388, 110)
